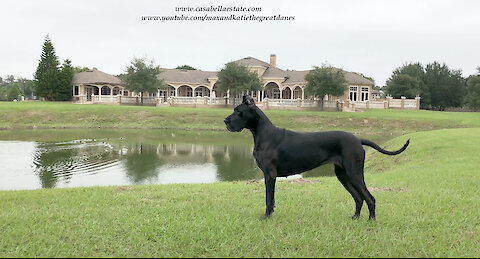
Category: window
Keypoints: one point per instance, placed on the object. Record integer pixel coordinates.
(75, 92)
(353, 93)
(105, 90)
(364, 94)
(116, 91)
(276, 93)
(189, 92)
(198, 92)
(297, 93)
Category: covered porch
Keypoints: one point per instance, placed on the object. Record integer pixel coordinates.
(85, 93)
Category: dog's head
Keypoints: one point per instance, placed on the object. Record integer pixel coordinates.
(243, 115)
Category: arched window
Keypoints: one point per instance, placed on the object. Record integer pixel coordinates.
(202, 91)
(185, 91)
(297, 92)
(117, 90)
(105, 90)
(272, 91)
(287, 93)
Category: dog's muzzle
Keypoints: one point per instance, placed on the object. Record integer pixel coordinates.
(229, 127)
(227, 123)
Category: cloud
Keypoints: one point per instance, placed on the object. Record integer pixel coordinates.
(370, 37)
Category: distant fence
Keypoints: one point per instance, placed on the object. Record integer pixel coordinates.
(287, 104)
(387, 103)
(136, 100)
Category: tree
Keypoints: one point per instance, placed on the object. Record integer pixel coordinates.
(186, 67)
(23, 87)
(12, 93)
(325, 80)
(10, 79)
(447, 87)
(236, 78)
(408, 81)
(64, 89)
(48, 73)
(78, 69)
(438, 86)
(3, 89)
(472, 99)
(141, 77)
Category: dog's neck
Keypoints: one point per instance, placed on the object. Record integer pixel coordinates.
(262, 126)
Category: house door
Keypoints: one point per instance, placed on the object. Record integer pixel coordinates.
(88, 93)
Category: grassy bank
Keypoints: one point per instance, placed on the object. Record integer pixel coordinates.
(427, 206)
(381, 124)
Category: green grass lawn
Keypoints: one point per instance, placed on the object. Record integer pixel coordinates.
(61, 115)
(428, 200)
(380, 125)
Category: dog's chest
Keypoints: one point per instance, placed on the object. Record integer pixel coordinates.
(264, 157)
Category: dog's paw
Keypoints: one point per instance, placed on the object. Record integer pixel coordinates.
(266, 216)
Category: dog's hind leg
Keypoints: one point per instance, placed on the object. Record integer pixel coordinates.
(362, 189)
(356, 177)
(342, 177)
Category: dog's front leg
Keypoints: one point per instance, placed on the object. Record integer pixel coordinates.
(270, 194)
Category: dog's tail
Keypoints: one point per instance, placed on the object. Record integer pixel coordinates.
(381, 150)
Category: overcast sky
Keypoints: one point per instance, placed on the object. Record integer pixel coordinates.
(369, 37)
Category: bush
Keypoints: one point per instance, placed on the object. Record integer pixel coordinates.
(12, 93)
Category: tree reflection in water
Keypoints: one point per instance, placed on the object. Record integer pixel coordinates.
(236, 164)
(56, 164)
(142, 162)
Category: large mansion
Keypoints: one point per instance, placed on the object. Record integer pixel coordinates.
(277, 83)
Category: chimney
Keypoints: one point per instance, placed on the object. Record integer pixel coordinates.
(273, 60)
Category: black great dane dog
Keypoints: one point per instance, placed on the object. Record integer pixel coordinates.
(281, 152)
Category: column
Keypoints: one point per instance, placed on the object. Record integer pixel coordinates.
(417, 98)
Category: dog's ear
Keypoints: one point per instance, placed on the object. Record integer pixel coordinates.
(245, 96)
(248, 100)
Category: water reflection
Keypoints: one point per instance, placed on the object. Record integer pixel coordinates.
(94, 162)
(141, 163)
(187, 163)
(236, 163)
(61, 161)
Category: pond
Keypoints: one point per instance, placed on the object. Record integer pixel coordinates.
(33, 159)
